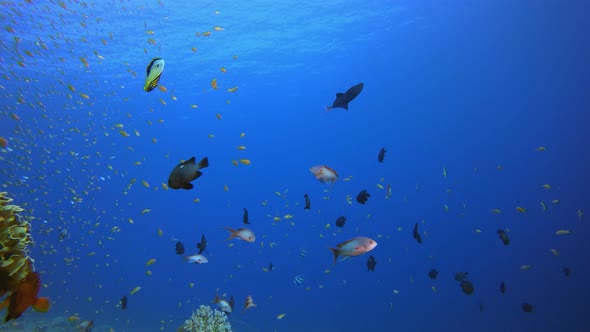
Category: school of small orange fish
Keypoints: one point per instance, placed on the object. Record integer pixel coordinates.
(42, 138)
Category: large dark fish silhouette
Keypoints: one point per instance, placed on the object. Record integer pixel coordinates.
(342, 99)
(182, 175)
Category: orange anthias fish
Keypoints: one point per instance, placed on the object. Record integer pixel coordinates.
(249, 303)
(353, 247)
(24, 296)
(324, 173)
(241, 233)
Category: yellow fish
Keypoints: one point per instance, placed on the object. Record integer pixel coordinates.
(214, 83)
(245, 161)
(150, 262)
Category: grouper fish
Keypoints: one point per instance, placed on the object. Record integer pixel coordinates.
(182, 175)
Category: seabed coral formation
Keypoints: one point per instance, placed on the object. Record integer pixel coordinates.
(15, 237)
(206, 319)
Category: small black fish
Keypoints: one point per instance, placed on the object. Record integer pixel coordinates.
(433, 274)
(381, 155)
(124, 302)
(231, 302)
(504, 237)
(460, 276)
(503, 287)
(182, 175)
(270, 267)
(342, 99)
(307, 202)
(179, 248)
(341, 221)
(245, 217)
(417, 235)
(467, 287)
(362, 197)
(371, 262)
(567, 271)
(202, 245)
(527, 307)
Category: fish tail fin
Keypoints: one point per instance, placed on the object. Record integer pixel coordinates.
(336, 253)
(42, 304)
(204, 163)
(328, 108)
(5, 303)
(232, 233)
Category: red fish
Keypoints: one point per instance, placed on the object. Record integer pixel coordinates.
(249, 303)
(353, 247)
(324, 173)
(241, 233)
(24, 296)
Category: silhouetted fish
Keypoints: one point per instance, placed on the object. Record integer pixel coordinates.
(342, 99)
(362, 197)
(179, 248)
(460, 276)
(381, 155)
(124, 302)
(245, 217)
(504, 237)
(231, 302)
(307, 202)
(341, 221)
(567, 271)
(371, 262)
(182, 175)
(503, 287)
(467, 287)
(417, 235)
(433, 274)
(526, 307)
(203, 245)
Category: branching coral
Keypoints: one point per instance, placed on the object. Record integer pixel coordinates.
(15, 237)
(206, 319)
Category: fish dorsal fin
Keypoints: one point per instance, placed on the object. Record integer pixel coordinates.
(340, 245)
(190, 161)
(339, 94)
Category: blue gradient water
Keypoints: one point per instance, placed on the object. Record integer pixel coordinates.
(471, 88)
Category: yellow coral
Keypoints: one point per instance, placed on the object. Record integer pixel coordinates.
(15, 237)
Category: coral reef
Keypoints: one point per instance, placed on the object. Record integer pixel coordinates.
(206, 319)
(15, 237)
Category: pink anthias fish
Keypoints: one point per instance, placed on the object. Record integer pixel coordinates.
(242, 234)
(353, 247)
(196, 259)
(324, 173)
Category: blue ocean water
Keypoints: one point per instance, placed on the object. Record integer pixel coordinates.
(462, 95)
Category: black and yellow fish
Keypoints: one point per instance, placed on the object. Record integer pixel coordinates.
(154, 72)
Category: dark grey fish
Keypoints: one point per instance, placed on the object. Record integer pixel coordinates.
(179, 248)
(231, 303)
(460, 276)
(433, 274)
(341, 221)
(307, 202)
(203, 245)
(342, 99)
(417, 235)
(124, 302)
(504, 237)
(567, 271)
(270, 267)
(64, 234)
(362, 197)
(503, 287)
(527, 307)
(381, 155)
(245, 217)
(467, 287)
(185, 172)
(371, 262)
